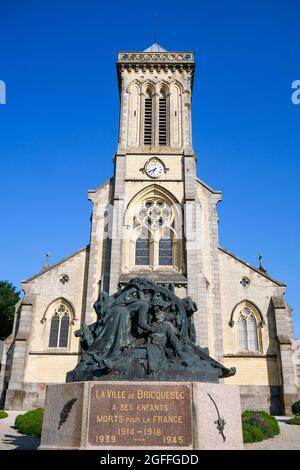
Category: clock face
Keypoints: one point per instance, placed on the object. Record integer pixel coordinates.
(154, 169)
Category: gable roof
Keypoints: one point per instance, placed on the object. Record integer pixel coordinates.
(86, 248)
(214, 191)
(252, 267)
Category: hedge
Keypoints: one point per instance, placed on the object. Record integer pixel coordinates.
(30, 423)
(296, 408)
(3, 414)
(258, 425)
(294, 420)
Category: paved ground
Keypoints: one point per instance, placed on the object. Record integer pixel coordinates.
(10, 439)
(288, 439)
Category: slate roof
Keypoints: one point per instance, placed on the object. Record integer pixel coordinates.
(155, 48)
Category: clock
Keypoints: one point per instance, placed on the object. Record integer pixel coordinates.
(154, 168)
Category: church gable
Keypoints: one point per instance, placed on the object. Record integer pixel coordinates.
(246, 294)
(229, 259)
(57, 270)
(61, 284)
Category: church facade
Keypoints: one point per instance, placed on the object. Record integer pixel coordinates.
(154, 218)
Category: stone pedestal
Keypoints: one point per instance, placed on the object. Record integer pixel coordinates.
(142, 415)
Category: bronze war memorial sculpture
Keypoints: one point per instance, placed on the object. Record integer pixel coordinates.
(144, 332)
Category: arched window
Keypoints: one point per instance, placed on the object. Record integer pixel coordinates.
(247, 326)
(155, 226)
(148, 117)
(162, 117)
(165, 252)
(54, 331)
(142, 251)
(64, 331)
(59, 328)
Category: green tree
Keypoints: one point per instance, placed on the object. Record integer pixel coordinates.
(9, 296)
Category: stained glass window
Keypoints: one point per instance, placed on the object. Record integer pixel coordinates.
(142, 252)
(247, 326)
(64, 331)
(242, 334)
(154, 219)
(252, 334)
(54, 331)
(59, 328)
(165, 252)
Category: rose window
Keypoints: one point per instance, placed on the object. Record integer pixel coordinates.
(154, 214)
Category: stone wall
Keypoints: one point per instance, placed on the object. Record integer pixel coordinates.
(272, 364)
(33, 363)
(100, 246)
(296, 362)
(262, 397)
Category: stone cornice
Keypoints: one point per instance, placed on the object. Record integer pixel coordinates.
(156, 67)
(147, 150)
(155, 62)
(156, 57)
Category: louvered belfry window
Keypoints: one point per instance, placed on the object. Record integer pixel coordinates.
(162, 126)
(148, 119)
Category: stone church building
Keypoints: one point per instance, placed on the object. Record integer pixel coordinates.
(155, 218)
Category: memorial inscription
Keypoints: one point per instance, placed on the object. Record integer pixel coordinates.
(134, 415)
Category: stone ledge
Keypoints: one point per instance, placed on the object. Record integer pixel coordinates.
(250, 355)
(160, 277)
(54, 353)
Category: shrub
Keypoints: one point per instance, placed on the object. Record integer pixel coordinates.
(258, 425)
(271, 421)
(3, 414)
(294, 420)
(30, 423)
(296, 408)
(252, 433)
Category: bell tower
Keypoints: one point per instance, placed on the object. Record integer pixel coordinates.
(154, 184)
(155, 89)
(158, 227)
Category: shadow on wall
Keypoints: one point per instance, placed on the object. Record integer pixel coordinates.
(276, 399)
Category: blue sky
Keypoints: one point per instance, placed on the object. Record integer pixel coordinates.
(58, 130)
